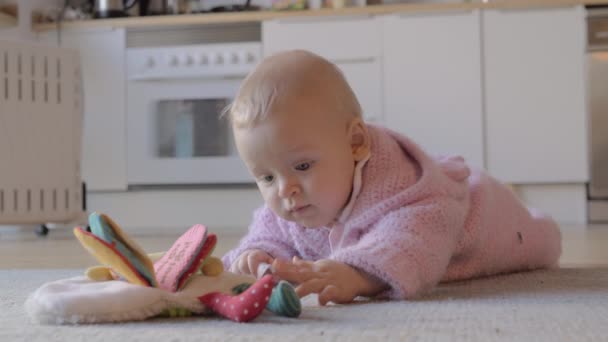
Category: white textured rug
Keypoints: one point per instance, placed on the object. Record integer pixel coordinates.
(561, 304)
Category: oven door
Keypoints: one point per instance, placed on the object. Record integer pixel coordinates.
(175, 134)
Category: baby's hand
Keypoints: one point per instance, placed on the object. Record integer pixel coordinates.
(248, 261)
(332, 280)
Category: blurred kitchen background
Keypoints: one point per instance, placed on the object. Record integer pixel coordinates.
(516, 87)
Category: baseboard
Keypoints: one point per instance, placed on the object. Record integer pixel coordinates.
(566, 203)
(230, 210)
(598, 211)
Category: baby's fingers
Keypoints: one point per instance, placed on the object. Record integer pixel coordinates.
(311, 286)
(240, 266)
(329, 294)
(302, 264)
(234, 267)
(292, 273)
(281, 266)
(252, 264)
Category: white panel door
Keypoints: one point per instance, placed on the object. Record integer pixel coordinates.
(432, 81)
(535, 98)
(102, 53)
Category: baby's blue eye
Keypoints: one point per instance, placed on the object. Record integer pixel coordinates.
(303, 167)
(268, 179)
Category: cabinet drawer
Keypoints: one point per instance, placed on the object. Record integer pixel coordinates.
(335, 38)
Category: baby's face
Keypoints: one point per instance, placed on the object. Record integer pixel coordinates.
(303, 163)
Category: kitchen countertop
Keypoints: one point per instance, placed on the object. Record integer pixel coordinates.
(258, 16)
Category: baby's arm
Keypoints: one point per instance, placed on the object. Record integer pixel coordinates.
(411, 247)
(265, 234)
(406, 252)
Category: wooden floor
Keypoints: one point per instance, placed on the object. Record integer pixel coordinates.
(21, 248)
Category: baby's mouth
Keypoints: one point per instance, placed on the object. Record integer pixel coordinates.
(299, 209)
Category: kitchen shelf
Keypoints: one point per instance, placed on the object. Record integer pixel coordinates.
(7, 20)
(258, 16)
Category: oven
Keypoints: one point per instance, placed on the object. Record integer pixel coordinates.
(175, 95)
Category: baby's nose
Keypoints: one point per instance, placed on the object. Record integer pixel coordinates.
(289, 189)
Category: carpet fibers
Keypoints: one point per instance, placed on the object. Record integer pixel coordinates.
(550, 305)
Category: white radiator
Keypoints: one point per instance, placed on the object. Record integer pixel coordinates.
(40, 134)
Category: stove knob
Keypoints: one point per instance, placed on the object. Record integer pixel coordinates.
(203, 60)
(173, 61)
(234, 58)
(250, 57)
(219, 59)
(188, 60)
(150, 62)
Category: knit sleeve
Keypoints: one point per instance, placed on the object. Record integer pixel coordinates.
(265, 233)
(410, 248)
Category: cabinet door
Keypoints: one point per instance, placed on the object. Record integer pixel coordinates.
(102, 53)
(432, 81)
(535, 102)
(352, 43)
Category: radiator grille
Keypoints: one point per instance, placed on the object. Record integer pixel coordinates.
(40, 134)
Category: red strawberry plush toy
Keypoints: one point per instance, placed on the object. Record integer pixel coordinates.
(243, 307)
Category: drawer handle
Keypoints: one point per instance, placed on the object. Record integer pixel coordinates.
(353, 60)
(331, 18)
(525, 8)
(170, 76)
(435, 13)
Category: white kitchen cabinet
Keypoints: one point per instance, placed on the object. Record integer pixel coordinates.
(102, 53)
(352, 43)
(534, 95)
(432, 81)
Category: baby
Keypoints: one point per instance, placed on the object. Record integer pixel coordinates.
(352, 209)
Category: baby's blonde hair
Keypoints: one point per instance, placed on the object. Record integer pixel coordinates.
(286, 74)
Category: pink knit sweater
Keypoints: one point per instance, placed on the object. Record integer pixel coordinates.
(418, 221)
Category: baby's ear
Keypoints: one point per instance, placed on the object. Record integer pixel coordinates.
(359, 139)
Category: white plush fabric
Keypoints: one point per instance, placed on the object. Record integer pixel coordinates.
(79, 300)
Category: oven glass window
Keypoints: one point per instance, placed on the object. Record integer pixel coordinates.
(192, 128)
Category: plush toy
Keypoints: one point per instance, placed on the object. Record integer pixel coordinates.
(131, 285)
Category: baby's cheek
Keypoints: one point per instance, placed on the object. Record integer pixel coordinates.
(270, 199)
